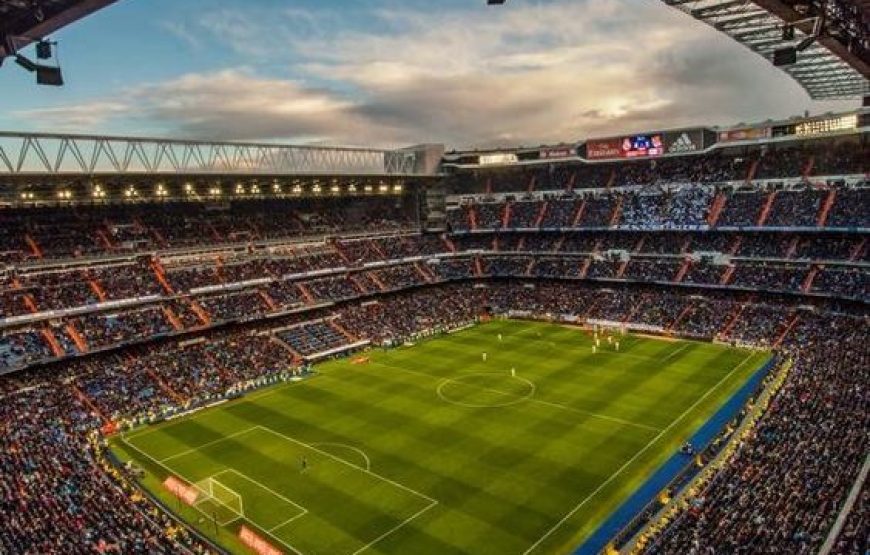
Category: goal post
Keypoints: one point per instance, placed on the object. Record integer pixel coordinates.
(219, 501)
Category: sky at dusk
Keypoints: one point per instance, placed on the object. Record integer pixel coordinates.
(397, 72)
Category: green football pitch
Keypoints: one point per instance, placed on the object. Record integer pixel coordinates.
(430, 449)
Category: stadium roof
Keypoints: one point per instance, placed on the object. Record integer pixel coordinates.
(25, 21)
(835, 66)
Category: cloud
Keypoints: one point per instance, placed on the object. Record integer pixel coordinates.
(523, 74)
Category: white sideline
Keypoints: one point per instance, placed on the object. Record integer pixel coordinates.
(635, 457)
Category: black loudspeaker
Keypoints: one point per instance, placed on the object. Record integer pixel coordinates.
(788, 33)
(43, 50)
(47, 75)
(785, 56)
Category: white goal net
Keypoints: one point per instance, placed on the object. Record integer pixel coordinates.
(219, 502)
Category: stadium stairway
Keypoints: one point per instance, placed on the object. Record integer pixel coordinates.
(478, 267)
(689, 308)
(161, 383)
(629, 316)
(160, 274)
(579, 214)
(377, 280)
(617, 212)
(472, 217)
(620, 271)
(727, 274)
(287, 347)
(358, 284)
(96, 288)
(451, 246)
(542, 213)
(529, 267)
(53, 343)
(826, 208)
(104, 240)
(34, 247)
(506, 214)
(88, 402)
(765, 210)
(735, 246)
(225, 374)
(158, 237)
(858, 251)
(791, 323)
(731, 321)
(811, 276)
(559, 243)
(792, 247)
(752, 170)
(343, 331)
(270, 302)
(687, 242)
(341, 253)
(716, 208)
(681, 273)
(172, 318)
(76, 337)
(584, 267)
(638, 247)
(200, 312)
(427, 277)
(306, 293)
(807, 170)
(494, 244)
(611, 179)
(377, 248)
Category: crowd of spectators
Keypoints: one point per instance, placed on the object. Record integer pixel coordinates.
(805, 160)
(654, 208)
(122, 229)
(61, 495)
(782, 489)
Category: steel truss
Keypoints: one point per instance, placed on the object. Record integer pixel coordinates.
(82, 155)
(821, 72)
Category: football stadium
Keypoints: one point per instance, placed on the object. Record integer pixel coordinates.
(348, 310)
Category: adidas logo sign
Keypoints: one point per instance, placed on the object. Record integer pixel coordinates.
(683, 144)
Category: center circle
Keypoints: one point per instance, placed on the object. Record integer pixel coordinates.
(485, 390)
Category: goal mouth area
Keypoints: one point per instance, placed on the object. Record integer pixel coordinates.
(219, 502)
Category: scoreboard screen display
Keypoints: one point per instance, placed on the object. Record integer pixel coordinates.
(642, 145)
